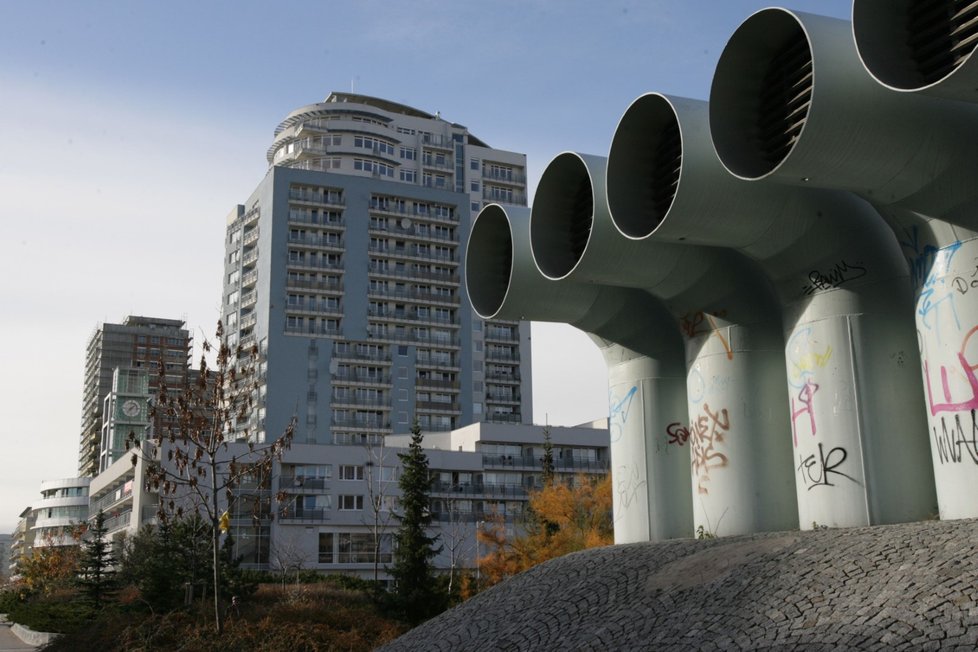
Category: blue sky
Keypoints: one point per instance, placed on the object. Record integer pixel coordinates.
(129, 130)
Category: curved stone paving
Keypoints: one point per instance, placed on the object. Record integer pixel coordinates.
(912, 586)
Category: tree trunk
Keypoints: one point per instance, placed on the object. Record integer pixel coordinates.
(216, 546)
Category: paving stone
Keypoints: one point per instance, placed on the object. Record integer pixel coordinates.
(902, 587)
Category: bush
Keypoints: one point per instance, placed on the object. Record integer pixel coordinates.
(59, 613)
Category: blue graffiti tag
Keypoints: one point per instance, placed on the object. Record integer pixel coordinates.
(619, 412)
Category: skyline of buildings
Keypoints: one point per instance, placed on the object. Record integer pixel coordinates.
(343, 268)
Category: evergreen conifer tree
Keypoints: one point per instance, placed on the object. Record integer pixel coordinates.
(417, 592)
(96, 573)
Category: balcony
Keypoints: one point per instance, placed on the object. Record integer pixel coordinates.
(531, 463)
(413, 294)
(503, 417)
(436, 383)
(316, 308)
(437, 406)
(249, 279)
(451, 277)
(502, 334)
(362, 378)
(413, 252)
(510, 177)
(304, 516)
(326, 220)
(332, 198)
(364, 422)
(335, 285)
(502, 397)
(307, 263)
(502, 356)
(301, 483)
(380, 355)
(348, 401)
(250, 237)
(425, 234)
(319, 241)
(480, 489)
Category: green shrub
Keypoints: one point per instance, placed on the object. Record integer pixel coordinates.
(58, 613)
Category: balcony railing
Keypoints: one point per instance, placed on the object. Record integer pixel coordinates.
(327, 286)
(487, 489)
(330, 198)
(306, 515)
(560, 464)
(300, 482)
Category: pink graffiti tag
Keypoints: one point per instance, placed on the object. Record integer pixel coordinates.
(969, 372)
(706, 432)
(806, 397)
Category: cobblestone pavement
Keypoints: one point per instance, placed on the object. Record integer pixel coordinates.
(899, 587)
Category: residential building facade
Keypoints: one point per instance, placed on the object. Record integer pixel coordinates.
(137, 343)
(62, 508)
(344, 269)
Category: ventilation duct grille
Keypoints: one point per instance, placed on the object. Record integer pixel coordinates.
(666, 165)
(784, 102)
(942, 35)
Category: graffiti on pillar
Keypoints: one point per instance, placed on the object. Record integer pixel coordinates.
(821, 468)
(678, 433)
(964, 395)
(953, 443)
(840, 274)
(698, 323)
(806, 398)
(920, 257)
(936, 302)
(620, 408)
(708, 430)
(628, 484)
(966, 283)
(805, 357)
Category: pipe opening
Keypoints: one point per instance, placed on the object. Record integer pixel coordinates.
(489, 261)
(761, 94)
(910, 44)
(644, 165)
(562, 216)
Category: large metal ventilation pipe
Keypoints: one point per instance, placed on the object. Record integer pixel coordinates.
(739, 432)
(920, 45)
(641, 346)
(845, 296)
(812, 114)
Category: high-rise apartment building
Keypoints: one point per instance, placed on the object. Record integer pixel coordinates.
(344, 268)
(136, 343)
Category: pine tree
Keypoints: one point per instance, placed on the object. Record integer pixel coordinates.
(548, 458)
(417, 595)
(96, 573)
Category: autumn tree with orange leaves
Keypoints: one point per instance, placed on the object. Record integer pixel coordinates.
(562, 518)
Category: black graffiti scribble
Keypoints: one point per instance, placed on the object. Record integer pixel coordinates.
(816, 469)
(678, 433)
(840, 274)
(952, 439)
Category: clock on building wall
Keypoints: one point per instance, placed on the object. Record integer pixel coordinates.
(131, 408)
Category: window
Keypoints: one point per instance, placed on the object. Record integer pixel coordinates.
(351, 472)
(409, 153)
(474, 164)
(474, 207)
(474, 186)
(325, 547)
(351, 503)
(409, 176)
